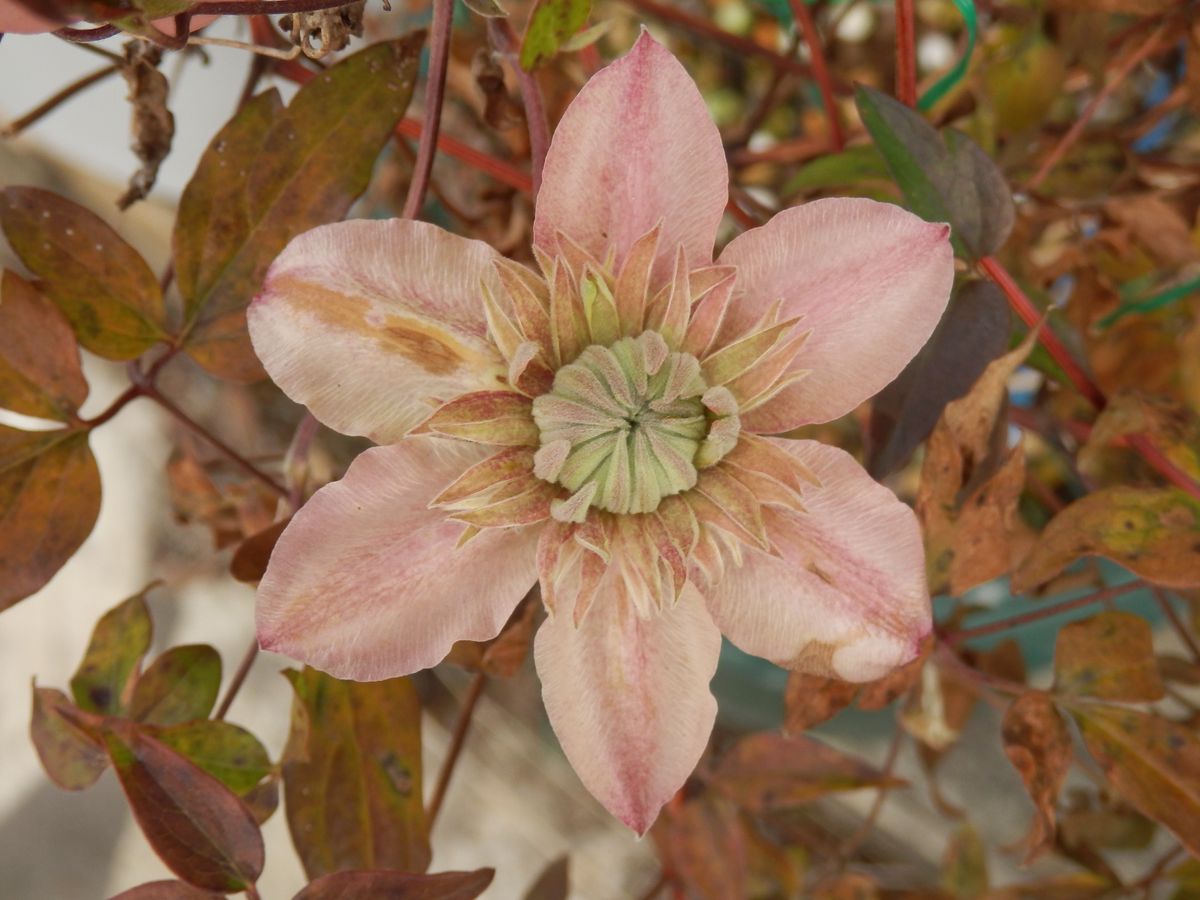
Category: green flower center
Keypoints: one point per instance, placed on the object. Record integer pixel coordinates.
(626, 425)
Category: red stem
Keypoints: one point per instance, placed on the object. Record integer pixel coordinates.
(906, 53)
(435, 89)
(1044, 612)
(507, 43)
(804, 18)
(457, 740)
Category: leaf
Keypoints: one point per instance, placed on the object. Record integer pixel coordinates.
(704, 842)
(250, 560)
(196, 825)
(972, 333)
(153, 124)
(243, 205)
(390, 885)
(882, 692)
(503, 655)
(119, 640)
(1038, 745)
(810, 700)
(227, 752)
(71, 757)
(855, 167)
(1169, 426)
(352, 775)
(101, 284)
(1025, 84)
(554, 883)
(166, 890)
(1109, 656)
(551, 23)
(1152, 762)
(1153, 532)
(180, 685)
(964, 866)
(767, 771)
(38, 377)
(945, 177)
(49, 500)
(489, 9)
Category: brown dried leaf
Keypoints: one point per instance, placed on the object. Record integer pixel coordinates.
(1038, 745)
(810, 700)
(878, 694)
(553, 884)
(1170, 427)
(704, 843)
(153, 124)
(1156, 225)
(250, 560)
(1109, 656)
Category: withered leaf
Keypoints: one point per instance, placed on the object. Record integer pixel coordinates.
(1109, 656)
(767, 771)
(705, 843)
(196, 825)
(49, 500)
(810, 700)
(1150, 531)
(179, 686)
(101, 284)
(382, 884)
(1152, 762)
(554, 883)
(38, 377)
(250, 560)
(119, 640)
(878, 694)
(503, 655)
(225, 751)
(1168, 425)
(71, 756)
(352, 775)
(153, 125)
(272, 173)
(1038, 745)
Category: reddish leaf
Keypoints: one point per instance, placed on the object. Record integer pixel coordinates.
(810, 700)
(503, 655)
(250, 559)
(878, 694)
(271, 174)
(101, 284)
(1110, 656)
(1152, 762)
(228, 752)
(383, 884)
(49, 500)
(71, 757)
(1038, 745)
(180, 685)
(166, 890)
(352, 775)
(196, 825)
(119, 641)
(705, 843)
(37, 377)
(767, 771)
(553, 884)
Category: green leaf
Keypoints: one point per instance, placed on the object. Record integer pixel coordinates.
(119, 641)
(1152, 762)
(71, 757)
(39, 377)
(49, 500)
(101, 284)
(383, 884)
(352, 775)
(272, 173)
(228, 752)
(1110, 656)
(551, 23)
(855, 167)
(181, 685)
(196, 825)
(945, 177)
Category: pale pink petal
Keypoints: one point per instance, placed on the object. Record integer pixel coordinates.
(367, 583)
(848, 596)
(373, 324)
(870, 280)
(628, 698)
(635, 147)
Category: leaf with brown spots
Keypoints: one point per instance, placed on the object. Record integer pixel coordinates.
(1109, 656)
(71, 756)
(101, 284)
(38, 377)
(1152, 762)
(272, 173)
(225, 751)
(119, 641)
(352, 775)
(1153, 532)
(810, 700)
(1038, 745)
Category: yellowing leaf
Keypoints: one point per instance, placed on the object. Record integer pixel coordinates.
(551, 23)
(119, 641)
(1110, 656)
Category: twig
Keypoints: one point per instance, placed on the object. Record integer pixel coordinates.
(531, 95)
(474, 691)
(86, 35)
(1067, 141)
(239, 677)
(130, 394)
(435, 87)
(263, 7)
(906, 53)
(804, 20)
(1043, 612)
(1177, 623)
(868, 824)
(16, 127)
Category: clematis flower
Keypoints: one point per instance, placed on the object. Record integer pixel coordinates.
(601, 425)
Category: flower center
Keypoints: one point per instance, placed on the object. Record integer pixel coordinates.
(625, 426)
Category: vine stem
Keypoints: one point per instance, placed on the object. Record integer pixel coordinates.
(1177, 623)
(906, 52)
(457, 740)
(239, 678)
(507, 43)
(42, 109)
(804, 19)
(1044, 612)
(435, 88)
(868, 824)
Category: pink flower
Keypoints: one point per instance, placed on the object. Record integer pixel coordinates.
(600, 426)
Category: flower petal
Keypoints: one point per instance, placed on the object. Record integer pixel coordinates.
(628, 698)
(846, 596)
(635, 148)
(367, 582)
(373, 324)
(869, 279)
